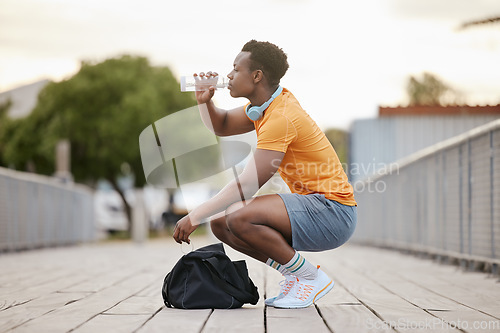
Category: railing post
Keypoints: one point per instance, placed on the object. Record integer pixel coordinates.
(139, 228)
(492, 195)
(460, 196)
(469, 192)
(445, 183)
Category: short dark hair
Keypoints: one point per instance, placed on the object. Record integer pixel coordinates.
(267, 57)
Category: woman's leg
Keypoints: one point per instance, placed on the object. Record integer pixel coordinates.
(221, 231)
(259, 228)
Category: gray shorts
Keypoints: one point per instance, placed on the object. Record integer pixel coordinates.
(318, 224)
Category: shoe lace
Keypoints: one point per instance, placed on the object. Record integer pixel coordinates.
(301, 290)
(287, 284)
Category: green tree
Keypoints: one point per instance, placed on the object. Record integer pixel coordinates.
(101, 110)
(340, 142)
(4, 124)
(429, 90)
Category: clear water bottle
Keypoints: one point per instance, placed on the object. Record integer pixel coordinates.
(201, 83)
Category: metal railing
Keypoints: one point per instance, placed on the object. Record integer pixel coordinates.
(36, 211)
(443, 200)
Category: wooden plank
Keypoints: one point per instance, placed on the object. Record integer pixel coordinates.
(449, 312)
(76, 314)
(295, 320)
(100, 281)
(477, 282)
(443, 281)
(176, 320)
(18, 315)
(390, 308)
(29, 293)
(352, 318)
(342, 312)
(113, 324)
(72, 282)
(27, 269)
(58, 271)
(139, 305)
(23, 266)
(26, 275)
(479, 302)
(246, 319)
(154, 289)
(27, 278)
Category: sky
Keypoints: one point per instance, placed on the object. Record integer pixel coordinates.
(346, 57)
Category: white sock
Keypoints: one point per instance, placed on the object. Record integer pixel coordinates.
(301, 268)
(277, 266)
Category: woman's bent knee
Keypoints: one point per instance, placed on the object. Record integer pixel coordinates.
(218, 226)
(237, 223)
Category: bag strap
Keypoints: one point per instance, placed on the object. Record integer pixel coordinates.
(241, 295)
(218, 264)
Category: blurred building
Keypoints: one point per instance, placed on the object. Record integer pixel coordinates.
(23, 98)
(401, 131)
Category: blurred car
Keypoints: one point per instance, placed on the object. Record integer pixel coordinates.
(156, 201)
(110, 211)
(185, 200)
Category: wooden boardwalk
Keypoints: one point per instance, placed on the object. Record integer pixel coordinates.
(115, 287)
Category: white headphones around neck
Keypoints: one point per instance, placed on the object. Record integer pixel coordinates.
(256, 112)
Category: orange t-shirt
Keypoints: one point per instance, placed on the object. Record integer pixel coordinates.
(310, 164)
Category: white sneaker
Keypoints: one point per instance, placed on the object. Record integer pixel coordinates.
(286, 285)
(305, 292)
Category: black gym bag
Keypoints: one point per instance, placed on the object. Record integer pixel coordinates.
(207, 279)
